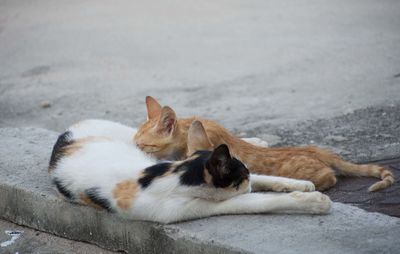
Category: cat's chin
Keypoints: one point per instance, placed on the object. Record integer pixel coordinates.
(221, 194)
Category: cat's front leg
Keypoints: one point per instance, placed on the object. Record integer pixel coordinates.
(280, 184)
(295, 202)
(249, 203)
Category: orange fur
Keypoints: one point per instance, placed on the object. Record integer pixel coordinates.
(308, 163)
(86, 200)
(125, 193)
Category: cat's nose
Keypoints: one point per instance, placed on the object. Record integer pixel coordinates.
(141, 146)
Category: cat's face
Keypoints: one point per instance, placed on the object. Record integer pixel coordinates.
(224, 170)
(224, 175)
(159, 135)
(227, 172)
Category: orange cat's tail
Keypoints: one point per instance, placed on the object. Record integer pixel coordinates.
(348, 168)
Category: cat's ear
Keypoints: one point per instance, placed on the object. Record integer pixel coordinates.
(217, 165)
(153, 108)
(197, 138)
(167, 121)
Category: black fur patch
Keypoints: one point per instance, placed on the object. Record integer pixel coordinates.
(239, 175)
(236, 175)
(152, 172)
(62, 189)
(194, 169)
(57, 153)
(94, 195)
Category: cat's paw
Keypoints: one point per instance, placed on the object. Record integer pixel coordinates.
(294, 185)
(256, 141)
(313, 202)
(305, 186)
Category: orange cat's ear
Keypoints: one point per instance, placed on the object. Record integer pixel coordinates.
(197, 138)
(167, 122)
(153, 108)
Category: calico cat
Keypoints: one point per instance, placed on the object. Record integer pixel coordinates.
(165, 136)
(95, 163)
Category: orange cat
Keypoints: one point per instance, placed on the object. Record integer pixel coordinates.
(165, 136)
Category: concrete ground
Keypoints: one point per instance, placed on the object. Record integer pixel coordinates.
(247, 64)
(290, 72)
(36, 242)
(28, 198)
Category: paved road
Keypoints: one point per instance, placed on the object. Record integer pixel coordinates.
(246, 63)
(352, 190)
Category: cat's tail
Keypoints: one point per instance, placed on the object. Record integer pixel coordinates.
(348, 168)
(63, 141)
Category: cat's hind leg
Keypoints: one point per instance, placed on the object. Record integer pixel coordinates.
(279, 184)
(324, 179)
(311, 169)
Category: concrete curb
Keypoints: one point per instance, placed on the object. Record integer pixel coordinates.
(27, 198)
(53, 215)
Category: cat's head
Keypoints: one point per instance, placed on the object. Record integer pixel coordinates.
(221, 169)
(159, 135)
(227, 171)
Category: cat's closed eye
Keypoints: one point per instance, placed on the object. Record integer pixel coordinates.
(148, 145)
(149, 148)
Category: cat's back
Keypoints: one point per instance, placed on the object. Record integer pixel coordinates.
(102, 128)
(99, 157)
(88, 156)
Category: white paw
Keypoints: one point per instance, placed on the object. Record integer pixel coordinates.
(305, 186)
(256, 141)
(294, 185)
(313, 202)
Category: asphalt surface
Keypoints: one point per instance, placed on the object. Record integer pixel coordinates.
(352, 190)
(247, 64)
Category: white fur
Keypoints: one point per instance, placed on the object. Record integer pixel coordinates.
(256, 141)
(280, 184)
(103, 128)
(103, 163)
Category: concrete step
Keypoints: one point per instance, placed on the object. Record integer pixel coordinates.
(31, 241)
(28, 198)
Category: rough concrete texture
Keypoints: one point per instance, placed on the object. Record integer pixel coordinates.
(364, 135)
(29, 199)
(325, 73)
(247, 64)
(35, 242)
(290, 72)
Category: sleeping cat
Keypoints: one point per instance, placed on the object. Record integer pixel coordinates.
(95, 163)
(165, 136)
